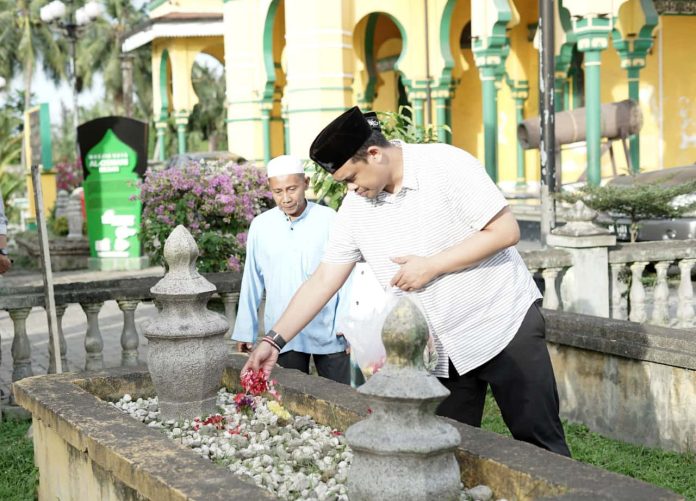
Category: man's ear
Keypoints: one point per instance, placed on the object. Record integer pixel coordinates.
(375, 152)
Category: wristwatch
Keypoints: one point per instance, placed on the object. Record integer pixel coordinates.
(4, 252)
(276, 338)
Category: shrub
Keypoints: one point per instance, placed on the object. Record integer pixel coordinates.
(214, 201)
(68, 175)
(58, 226)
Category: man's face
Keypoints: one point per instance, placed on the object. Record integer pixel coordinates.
(366, 178)
(289, 193)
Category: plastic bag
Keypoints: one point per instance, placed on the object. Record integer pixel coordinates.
(369, 307)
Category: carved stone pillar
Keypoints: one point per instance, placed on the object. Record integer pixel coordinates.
(21, 348)
(588, 244)
(60, 310)
(186, 352)
(129, 334)
(94, 358)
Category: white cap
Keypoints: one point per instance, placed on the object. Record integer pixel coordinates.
(285, 165)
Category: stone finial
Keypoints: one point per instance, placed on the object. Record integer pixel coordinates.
(62, 201)
(405, 334)
(187, 350)
(73, 213)
(181, 253)
(580, 222)
(402, 451)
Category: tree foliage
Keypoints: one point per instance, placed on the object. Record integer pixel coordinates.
(99, 52)
(11, 174)
(208, 116)
(25, 39)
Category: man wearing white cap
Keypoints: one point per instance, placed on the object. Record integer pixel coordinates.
(284, 247)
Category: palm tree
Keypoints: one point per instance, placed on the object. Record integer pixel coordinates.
(208, 116)
(11, 174)
(25, 39)
(99, 51)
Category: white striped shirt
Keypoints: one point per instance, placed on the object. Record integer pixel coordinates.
(446, 196)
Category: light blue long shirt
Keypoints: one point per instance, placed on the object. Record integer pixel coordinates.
(280, 255)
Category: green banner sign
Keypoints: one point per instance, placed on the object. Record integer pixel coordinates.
(111, 158)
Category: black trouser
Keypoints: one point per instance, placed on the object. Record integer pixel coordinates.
(523, 384)
(334, 366)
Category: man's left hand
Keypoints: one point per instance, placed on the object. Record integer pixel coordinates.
(414, 274)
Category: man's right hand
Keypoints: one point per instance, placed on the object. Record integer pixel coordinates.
(5, 264)
(264, 356)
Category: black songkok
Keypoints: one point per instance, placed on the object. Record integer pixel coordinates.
(339, 140)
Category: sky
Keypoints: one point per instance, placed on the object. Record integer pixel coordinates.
(47, 92)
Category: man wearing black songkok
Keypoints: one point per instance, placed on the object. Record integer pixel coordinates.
(429, 221)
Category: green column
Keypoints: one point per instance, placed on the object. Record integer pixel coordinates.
(419, 111)
(634, 94)
(181, 121)
(286, 130)
(441, 104)
(442, 96)
(519, 90)
(559, 101)
(521, 174)
(633, 39)
(161, 131)
(593, 38)
(593, 116)
(266, 125)
(490, 122)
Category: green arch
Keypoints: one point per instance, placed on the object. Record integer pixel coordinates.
(370, 63)
(268, 62)
(163, 84)
(445, 48)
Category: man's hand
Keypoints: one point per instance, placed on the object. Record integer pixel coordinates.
(243, 347)
(414, 274)
(264, 356)
(5, 264)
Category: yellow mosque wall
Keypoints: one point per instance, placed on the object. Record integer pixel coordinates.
(318, 68)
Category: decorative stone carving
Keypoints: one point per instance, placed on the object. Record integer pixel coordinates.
(402, 451)
(74, 215)
(186, 351)
(580, 222)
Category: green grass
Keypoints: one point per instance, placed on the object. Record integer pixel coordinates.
(18, 476)
(673, 471)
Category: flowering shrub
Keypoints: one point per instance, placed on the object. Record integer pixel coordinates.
(68, 175)
(215, 202)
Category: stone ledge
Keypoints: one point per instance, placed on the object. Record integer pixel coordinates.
(650, 343)
(158, 468)
(141, 458)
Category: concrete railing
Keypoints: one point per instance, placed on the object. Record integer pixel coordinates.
(128, 293)
(668, 302)
(629, 297)
(549, 264)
